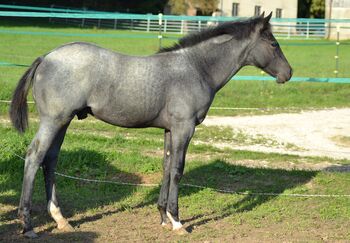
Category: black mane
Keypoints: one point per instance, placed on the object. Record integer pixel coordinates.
(238, 29)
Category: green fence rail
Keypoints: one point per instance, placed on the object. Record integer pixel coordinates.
(81, 13)
(108, 15)
(60, 13)
(241, 78)
(46, 9)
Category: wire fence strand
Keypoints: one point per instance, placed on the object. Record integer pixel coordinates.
(121, 183)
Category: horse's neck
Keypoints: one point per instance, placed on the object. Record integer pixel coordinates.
(219, 62)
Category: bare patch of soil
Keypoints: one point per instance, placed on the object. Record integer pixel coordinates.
(142, 225)
(313, 131)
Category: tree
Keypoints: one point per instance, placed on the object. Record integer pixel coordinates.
(178, 6)
(304, 8)
(317, 9)
(311, 8)
(206, 7)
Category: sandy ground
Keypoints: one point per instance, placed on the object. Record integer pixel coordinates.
(314, 133)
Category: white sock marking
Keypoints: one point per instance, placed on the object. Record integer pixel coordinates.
(56, 214)
(176, 224)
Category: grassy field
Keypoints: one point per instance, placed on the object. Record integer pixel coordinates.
(100, 151)
(307, 61)
(110, 213)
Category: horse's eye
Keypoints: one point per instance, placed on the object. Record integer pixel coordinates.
(274, 44)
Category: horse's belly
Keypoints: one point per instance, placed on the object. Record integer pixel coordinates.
(127, 114)
(128, 102)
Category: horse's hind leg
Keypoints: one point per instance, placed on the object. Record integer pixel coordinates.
(34, 158)
(49, 166)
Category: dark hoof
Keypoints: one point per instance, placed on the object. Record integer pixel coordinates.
(181, 231)
(30, 234)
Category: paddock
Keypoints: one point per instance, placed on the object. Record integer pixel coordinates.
(261, 185)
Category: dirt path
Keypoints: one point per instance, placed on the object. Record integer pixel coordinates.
(315, 133)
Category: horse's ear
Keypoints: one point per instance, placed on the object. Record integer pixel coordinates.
(262, 15)
(268, 17)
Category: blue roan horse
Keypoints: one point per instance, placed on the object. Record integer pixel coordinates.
(172, 90)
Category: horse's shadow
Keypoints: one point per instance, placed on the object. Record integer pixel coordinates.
(251, 181)
(80, 197)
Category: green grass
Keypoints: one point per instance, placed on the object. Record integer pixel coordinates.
(100, 151)
(307, 61)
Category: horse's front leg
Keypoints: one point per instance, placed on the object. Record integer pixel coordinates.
(164, 190)
(181, 135)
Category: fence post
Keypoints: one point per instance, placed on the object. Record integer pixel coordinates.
(160, 22)
(51, 6)
(165, 25)
(289, 31)
(83, 19)
(148, 23)
(307, 29)
(115, 23)
(336, 71)
(182, 26)
(199, 25)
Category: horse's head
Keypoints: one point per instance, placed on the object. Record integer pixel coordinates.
(266, 52)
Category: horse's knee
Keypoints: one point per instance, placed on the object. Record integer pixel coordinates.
(176, 175)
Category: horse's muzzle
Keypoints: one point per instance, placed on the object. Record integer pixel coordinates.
(283, 78)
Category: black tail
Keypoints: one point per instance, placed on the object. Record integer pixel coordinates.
(19, 107)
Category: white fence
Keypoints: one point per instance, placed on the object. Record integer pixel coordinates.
(293, 29)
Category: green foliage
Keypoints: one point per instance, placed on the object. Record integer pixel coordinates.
(304, 8)
(317, 9)
(311, 8)
(206, 7)
(178, 6)
(203, 6)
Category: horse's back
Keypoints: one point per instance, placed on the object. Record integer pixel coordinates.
(119, 89)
